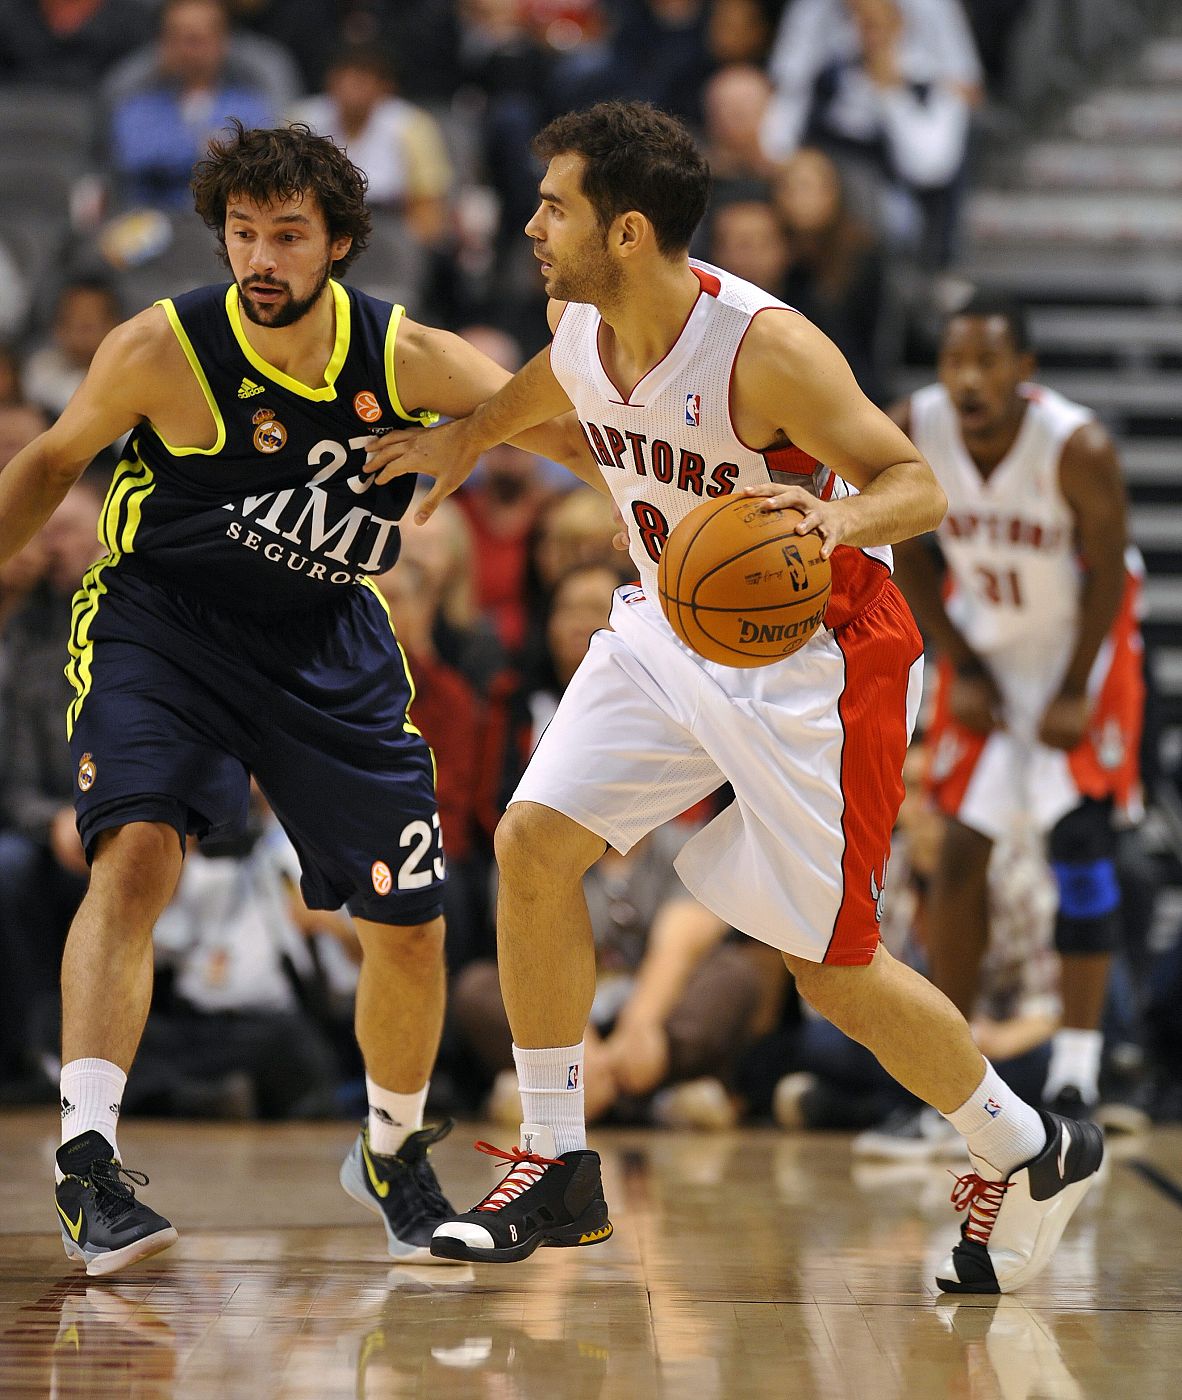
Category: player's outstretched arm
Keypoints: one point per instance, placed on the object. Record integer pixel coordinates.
(792, 385)
(440, 371)
(110, 401)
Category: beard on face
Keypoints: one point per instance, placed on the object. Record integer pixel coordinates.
(590, 275)
(282, 313)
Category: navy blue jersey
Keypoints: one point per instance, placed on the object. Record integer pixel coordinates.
(278, 512)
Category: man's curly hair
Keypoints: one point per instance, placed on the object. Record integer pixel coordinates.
(267, 165)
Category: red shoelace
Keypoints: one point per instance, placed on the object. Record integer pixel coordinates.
(982, 1199)
(528, 1168)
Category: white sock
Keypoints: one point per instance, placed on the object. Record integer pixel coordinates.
(393, 1117)
(1075, 1062)
(551, 1085)
(1002, 1131)
(91, 1094)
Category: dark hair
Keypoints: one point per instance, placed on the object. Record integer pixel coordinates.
(366, 58)
(984, 306)
(635, 158)
(95, 283)
(265, 165)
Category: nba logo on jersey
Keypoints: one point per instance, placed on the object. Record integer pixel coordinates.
(693, 410)
(572, 1076)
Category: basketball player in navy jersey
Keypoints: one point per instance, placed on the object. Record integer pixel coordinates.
(691, 383)
(232, 629)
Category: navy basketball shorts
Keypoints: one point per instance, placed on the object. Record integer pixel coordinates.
(179, 702)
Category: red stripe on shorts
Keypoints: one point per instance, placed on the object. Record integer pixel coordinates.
(879, 646)
(953, 751)
(1108, 761)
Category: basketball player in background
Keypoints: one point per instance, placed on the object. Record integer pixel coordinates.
(691, 384)
(1038, 709)
(232, 627)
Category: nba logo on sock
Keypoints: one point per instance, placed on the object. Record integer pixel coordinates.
(992, 1107)
(572, 1076)
(693, 410)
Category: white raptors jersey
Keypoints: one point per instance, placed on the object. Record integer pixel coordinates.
(671, 444)
(1009, 539)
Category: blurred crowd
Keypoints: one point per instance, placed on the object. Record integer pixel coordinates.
(841, 136)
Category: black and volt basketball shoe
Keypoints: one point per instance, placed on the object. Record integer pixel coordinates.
(1012, 1227)
(402, 1189)
(554, 1200)
(103, 1225)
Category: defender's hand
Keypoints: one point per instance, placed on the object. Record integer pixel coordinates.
(827, 518)
(444, 453)
(1065, 722)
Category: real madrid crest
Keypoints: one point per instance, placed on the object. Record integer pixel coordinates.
(269, 432)
(86, 772)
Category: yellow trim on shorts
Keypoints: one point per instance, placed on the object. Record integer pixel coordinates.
(408, 724)
(425, 417)
(132, 484)
(340, 349)
(195, 365)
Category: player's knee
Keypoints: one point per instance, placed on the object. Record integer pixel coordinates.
(822, 985)
(142, 859)
(964, 853)
(403, 944)
(533, 840)
(1088, 920)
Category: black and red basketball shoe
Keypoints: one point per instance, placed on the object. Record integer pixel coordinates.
(552, 1200)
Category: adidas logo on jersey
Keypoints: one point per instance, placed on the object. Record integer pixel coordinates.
(248, 389)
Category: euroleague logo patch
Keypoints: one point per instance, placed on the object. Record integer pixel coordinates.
(366, 406)
(87, 772)
(269, 433)
(379, 873)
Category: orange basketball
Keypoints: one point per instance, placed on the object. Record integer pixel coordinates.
(739, 586)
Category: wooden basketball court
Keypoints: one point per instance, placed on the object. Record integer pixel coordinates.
(750, 1264)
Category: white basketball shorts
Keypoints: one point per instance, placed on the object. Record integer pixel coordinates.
(812, 745)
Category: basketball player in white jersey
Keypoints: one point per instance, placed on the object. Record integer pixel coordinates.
(691, 384)
(1038, 710)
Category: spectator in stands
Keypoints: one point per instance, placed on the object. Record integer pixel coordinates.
(739, 31)
(398, 145)
(449, 712)
(14, 300)
(252, 61)
(43, 872)
(889, 85)
(836, 271)
(461, 634)
(11, 395)
(236, 1025)
(501, 501)
(87, 308)
(68, 43)
(746, 238)
(505, 69)
(160, 127)
(659, 54)
(578, 527)
(735, 103)
(19, 425)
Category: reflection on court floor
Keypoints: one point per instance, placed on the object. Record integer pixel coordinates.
(747, 1264)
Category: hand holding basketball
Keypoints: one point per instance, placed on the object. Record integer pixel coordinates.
(827, 518)
(738, 584)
